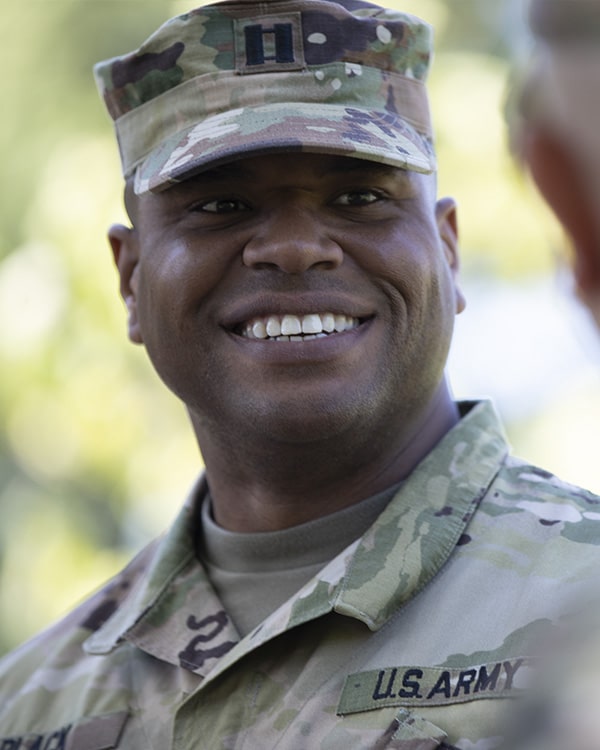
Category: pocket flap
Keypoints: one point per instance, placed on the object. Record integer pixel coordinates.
(97, 732)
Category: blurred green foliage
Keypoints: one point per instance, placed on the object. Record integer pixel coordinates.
(95, 455)
(86, 427)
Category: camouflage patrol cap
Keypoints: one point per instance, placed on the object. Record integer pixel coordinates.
(241, 78)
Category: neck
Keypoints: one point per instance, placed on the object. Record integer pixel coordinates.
(265, 486)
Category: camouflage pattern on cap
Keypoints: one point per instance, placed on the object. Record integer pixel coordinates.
(246, 78)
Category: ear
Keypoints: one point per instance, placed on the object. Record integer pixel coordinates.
(558, 177)
(447, 222)
(125, 249)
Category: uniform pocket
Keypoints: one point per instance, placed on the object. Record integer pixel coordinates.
(97, 732)
(376, 730)
(90, 733)
(411, 732)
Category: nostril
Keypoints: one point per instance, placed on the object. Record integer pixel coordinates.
(293, 255)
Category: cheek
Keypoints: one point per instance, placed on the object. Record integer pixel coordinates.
(424, 296)
(411, 267)
(156, 296)
(176, 278)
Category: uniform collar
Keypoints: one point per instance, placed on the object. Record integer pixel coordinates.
(369, 581)
(422, 525)
(173, 559)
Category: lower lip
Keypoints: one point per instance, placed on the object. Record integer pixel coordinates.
(308, 350)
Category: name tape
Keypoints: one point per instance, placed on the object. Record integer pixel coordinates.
(431, 686)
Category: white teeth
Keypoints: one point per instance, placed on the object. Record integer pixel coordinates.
(340, 323)
(259, 330)
(298, 328)
(291, 325)
(273, 327)
(311, 324)
(328, 322)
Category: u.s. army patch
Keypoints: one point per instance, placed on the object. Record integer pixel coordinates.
(431, 686)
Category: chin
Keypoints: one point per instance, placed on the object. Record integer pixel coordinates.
(301, 421)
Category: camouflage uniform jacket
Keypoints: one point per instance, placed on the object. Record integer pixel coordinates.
(417, 636)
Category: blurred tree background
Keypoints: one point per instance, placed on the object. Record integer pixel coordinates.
(95, 455)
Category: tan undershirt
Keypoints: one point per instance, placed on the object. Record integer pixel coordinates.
(253, 574)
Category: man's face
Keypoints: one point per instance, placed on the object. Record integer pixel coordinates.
(295, 297)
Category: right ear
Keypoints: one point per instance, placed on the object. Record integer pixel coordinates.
(126, 253)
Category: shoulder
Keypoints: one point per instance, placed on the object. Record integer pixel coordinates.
(58, 650)
(523, 482)
(544, 512)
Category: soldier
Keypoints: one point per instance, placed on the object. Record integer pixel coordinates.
(558, 131)
(362, 563)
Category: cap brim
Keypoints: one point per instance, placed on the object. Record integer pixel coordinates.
(327, 129)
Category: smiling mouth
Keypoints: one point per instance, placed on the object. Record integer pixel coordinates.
(297, 327)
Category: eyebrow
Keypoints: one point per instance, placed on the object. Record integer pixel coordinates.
(367, 170)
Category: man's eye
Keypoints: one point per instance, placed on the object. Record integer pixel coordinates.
(221, 206)
(358, 198)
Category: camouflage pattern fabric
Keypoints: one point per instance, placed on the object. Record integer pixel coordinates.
(242, 78)
(560, 710)
(418, 636)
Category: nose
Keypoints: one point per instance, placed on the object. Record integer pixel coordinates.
(294, 240)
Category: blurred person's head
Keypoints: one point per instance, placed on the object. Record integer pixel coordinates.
(558, 129)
